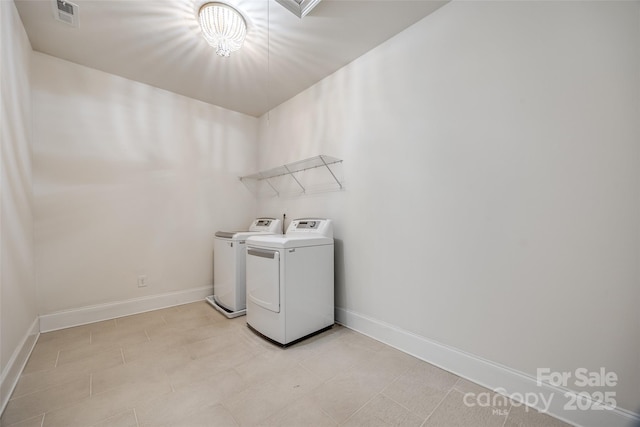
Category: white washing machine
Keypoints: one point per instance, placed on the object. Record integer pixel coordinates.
(229, 292)
(290, 281)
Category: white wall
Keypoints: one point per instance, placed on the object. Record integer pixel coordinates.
(491, 158)
(130, 180)
(18, 310)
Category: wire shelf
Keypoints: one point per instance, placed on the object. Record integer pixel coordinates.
(291, 169)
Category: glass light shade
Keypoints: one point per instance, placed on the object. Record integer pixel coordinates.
(223, 27)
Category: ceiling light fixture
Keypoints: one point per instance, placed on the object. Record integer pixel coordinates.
(223, 27)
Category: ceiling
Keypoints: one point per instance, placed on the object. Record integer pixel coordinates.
(158, 42)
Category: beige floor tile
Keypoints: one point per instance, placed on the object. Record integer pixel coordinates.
(293, 383)
(466, 386)
(91, 359)
(174, 407)
(201, 308)
(192, 372)
(194, 334)
(163, 311)
(41, 380)
(78, 335)
(38, 364)
(196, 370)
(102, 406)
(217, 328)
(477, 394)
(31, 422)
(355, 339)
(196, 312)
(54, 346)
(82, 352)
(128, 374)
(383, 411)
(140, 321)
(118, 337)
(301, 412)
(71, 334)
(384, 367)
(255, 404)
(126, 419)
(162, 332)
(212, 345)
(39, 402)
(166, 354)
(191, 322)
(364, 380)
(421, 388)
(432, 376)
(213, 415)
(344, 394)
(338, 358)
(263, 367)
(191, 366)
(41, 361)
(523, 416)
(100, 326)
(454, 411)
(365, 419)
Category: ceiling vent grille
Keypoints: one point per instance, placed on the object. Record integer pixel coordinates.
(66, 12)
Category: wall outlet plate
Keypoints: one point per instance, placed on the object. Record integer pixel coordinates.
(142, 281)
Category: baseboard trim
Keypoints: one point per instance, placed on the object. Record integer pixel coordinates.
(484, 372)
(97, 313)
(17, 362)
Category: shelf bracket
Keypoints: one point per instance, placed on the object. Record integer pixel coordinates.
(272, 187)
(331, 172)
(295, 179)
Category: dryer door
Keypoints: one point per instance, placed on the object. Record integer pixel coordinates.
(263, 278)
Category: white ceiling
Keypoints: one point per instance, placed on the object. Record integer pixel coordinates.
(158, 42)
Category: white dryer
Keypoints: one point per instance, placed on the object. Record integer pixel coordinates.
(229, 292)
(290, 281)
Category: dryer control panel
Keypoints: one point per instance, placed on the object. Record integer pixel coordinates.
(321, 226)
(308, 225)
(268, 225)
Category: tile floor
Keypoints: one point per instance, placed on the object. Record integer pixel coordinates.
(190, 366)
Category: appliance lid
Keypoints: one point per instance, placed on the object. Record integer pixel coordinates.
(226, 234)
(288, 241)
(239, 235)
(258, 226)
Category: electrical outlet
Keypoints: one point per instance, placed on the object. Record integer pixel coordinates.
(142, 281)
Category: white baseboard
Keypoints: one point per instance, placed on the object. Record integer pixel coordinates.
(484, 372)
(17, 362)
(97, 313)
